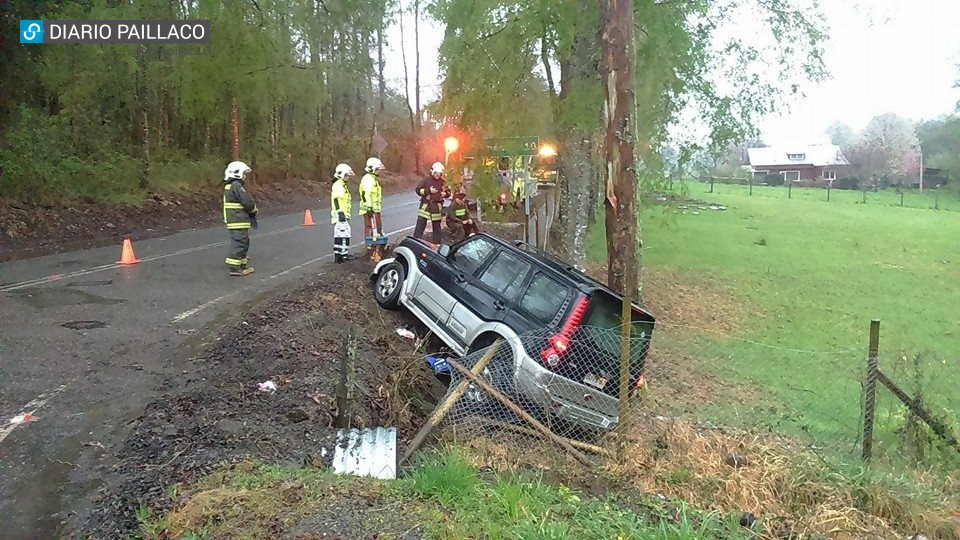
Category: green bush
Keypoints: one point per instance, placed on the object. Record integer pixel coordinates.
(38, 162)
(773, 179)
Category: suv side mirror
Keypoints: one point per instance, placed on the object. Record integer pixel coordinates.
(444, 251)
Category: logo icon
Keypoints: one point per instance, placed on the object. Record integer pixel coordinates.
(31, 31)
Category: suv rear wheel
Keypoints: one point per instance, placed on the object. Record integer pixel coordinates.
(388, 284)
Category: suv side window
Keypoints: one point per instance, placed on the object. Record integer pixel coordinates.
(543, 298)
(470, 255)
(506, 274)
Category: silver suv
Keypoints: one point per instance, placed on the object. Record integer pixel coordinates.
(562, 327)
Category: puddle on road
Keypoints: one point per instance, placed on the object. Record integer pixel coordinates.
(61, 296)
(83, 325)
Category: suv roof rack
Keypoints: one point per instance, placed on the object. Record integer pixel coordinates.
(556, 264)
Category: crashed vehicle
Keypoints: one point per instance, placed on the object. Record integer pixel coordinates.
(562, 326)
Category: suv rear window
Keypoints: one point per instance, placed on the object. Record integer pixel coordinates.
(604, 318)
(505, 274)
(543, 298)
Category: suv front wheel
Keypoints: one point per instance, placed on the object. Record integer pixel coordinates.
(388, 285)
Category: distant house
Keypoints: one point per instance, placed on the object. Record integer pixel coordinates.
(807, 164)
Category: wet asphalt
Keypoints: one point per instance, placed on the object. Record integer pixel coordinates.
(84, 343)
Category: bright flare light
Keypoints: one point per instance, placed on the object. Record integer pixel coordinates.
(450, 144)
(548, 151)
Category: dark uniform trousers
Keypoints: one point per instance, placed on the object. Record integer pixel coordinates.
(239, 245)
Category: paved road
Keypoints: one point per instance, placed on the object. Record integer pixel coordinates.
(83, 344)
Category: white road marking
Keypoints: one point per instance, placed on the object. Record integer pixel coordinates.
(322, 257)
(29, 408)
(191, 312)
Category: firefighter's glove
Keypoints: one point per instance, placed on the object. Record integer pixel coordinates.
(341, 217)
(253, 221)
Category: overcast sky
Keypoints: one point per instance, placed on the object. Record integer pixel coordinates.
(883, 56)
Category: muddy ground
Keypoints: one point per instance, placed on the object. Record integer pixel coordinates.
(31, 230)
(214, 413)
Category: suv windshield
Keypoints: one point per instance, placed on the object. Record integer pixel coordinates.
(471, 254)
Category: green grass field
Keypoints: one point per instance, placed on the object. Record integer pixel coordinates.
(810, 275)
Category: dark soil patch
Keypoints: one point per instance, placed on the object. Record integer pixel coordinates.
(214, 412)
(32, 230)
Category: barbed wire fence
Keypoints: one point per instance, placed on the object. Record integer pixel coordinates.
(933, 197)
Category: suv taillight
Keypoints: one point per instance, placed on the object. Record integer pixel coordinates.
(559, 344)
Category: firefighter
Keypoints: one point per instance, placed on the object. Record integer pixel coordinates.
(340, 204)
(519, 185)
(371, 203)
(239, 214)
(461, 223)
(432, 192)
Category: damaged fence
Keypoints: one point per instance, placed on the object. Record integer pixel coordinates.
(566, 391)
(561, 388)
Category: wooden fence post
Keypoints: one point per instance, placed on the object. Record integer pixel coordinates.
(870, 389)
(750, 183)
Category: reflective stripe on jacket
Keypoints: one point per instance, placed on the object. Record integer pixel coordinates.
(339, 198)
(457, 212)
(371, 194)
(238, 205)
(430, 203)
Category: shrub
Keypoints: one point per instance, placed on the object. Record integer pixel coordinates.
(773, 179)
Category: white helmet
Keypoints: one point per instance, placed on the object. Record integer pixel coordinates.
(436, 168)
(374, 165)
(342, 171)
(235, 170)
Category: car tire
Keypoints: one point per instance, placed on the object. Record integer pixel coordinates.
(387, 286)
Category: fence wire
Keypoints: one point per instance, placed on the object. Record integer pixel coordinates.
(804, 397)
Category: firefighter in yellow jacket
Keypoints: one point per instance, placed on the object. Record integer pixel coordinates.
(239, 214)
(340, 205)
(371, 203)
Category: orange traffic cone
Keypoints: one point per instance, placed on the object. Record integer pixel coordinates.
(127, 256)
(308, 219)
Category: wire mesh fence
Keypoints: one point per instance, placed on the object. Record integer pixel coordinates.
(567, 390)
(720, 421)
(931, 198)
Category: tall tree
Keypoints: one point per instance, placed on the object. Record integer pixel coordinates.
(840, 134)
(690, 62)
(300, 74)
(886, 152)
(418, 129)
(616, 37)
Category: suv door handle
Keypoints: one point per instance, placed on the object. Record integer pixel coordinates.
(499, 305)
(461, 278)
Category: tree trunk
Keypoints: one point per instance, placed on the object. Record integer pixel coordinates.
(406, 93)
(143, 119)
(416, 86)
(578, 72)
(235, 125)
(616, 37)
(545, 60)
(380, 80)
